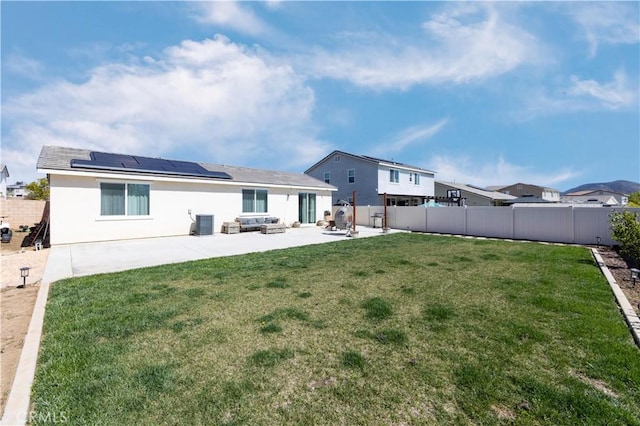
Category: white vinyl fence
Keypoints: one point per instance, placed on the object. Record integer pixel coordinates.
(558, 224)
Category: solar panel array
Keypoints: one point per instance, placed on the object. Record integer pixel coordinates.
(119, 162)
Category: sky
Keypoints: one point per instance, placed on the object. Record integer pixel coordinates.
(482, 93)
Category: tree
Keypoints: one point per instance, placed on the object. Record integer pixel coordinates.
(39, 189)
(634, 199)
(625, 229)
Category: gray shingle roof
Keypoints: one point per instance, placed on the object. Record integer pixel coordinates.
(370, 160)
(59, 158)
(481, 192)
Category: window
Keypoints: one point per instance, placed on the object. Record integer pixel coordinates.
(394, 176)
(351, 175)
(120, 199)
(416, 178)
(337, 158)
(254, 201)
(327, 177)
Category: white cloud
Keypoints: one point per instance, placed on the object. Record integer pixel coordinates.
(230, 14)
(607, 22)
(613, 95)
(21, 65)
(465, 44)
(409, 136)
(468, 170)
(584, 95)
(218, 101)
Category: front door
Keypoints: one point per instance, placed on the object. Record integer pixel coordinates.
(306, 207)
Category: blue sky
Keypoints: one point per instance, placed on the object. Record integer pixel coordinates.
(481, 93)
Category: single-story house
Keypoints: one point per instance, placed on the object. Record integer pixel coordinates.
(472, 195)
(99, 196)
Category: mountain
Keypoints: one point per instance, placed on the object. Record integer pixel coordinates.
(622, 186)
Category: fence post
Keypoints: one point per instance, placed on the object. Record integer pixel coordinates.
(426, 219)
(465, 220)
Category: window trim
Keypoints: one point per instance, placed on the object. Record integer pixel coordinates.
(327, 177)
(351, 177)
(126, 215)
(255, 193)
(394, 176)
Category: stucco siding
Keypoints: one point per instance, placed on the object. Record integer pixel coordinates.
(405, 186)
(75, 207)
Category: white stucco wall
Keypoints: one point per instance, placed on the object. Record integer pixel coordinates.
(405, 186)
(75, 207)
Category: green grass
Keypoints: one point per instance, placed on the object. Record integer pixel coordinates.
(402, 328)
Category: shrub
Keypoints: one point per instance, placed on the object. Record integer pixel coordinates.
(625, 229)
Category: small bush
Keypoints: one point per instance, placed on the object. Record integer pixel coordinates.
(625, 229)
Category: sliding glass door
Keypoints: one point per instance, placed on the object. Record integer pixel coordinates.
(306, 207)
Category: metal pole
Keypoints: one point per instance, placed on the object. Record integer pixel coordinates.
(354, 211)
(384, 201)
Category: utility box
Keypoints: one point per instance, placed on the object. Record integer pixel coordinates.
(204, 224)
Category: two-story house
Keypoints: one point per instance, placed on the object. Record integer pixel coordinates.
(527, 190)
(17, 190)
(371, 178)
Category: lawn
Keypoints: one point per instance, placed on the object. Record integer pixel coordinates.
(396, 329)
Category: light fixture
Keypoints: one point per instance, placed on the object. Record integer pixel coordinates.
(635, 274)
(24, 273)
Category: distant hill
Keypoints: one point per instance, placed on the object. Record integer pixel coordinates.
(623, 186)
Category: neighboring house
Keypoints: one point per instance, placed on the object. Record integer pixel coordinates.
(4, 175)
(371, 178)
(597, 196)
(472, 195)
(17, 190)
(529, 201)
(97, 196)
(525, 189)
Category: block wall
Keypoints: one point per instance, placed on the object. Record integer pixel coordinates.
(18, 211)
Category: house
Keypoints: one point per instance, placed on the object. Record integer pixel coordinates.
(98, 196)
(4, 175)
(17, 190)
(371, 178)
(472, 195)
(525, 189)
(529, 201)
(598, 196)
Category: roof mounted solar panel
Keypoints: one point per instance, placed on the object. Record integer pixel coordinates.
(130, 163)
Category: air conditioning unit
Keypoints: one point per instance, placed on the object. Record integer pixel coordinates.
(204, 224)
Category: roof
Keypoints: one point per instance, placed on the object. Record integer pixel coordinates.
(528, 199)
(494, 195)
(545, 188)
(3, 169)
(373, 160)
(54, 158)
(592, 191)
